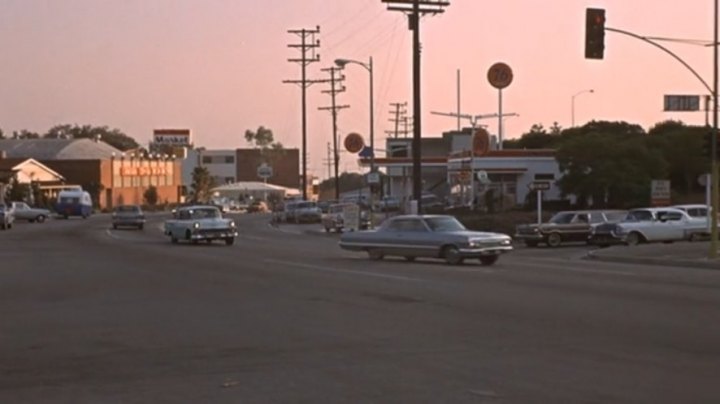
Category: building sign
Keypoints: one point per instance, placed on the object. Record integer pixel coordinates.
(660, 193)
(173, 137)
(682, 103)
(142, 171)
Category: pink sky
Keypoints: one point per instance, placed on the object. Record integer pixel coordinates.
(216, 66)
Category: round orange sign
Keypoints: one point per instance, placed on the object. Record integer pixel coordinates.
(354, 142)
(481, 142)
(500, 75)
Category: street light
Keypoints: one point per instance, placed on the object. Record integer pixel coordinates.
(341, 63)
(572, 106)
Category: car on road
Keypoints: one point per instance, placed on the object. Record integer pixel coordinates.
(200, 223)
(566, 226)
(303, 212)
(647, 225)
(432, 236)
(74, 203)
(7, 217)
(258, 207)
(128, 216)
(334, 219)
(23, 211)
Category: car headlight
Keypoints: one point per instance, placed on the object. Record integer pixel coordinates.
(196, 225)
(232, 223)
(506, 241)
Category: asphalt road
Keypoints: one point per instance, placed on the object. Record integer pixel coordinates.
(93, 315)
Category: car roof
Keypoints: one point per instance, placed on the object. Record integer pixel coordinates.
(191, 207)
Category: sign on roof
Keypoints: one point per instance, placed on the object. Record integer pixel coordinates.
(682, 103)
(175, 137)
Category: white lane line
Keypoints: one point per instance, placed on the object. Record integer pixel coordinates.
(563, 268)
(111, 235)
(344, 271)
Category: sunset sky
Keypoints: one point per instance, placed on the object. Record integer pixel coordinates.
(217, 66)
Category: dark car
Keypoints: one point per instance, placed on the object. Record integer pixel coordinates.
(566, 226)
(128, 216)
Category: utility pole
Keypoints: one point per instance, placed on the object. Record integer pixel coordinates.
(415, 9)
(399, 112)
(307, 44)
(336, 87)
(329, 160)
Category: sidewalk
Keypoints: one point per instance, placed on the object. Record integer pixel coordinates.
(679, 254)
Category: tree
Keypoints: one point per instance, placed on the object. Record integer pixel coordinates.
(113, 137)
(202, 182)
(263, 138)
(536, 138)
(682, 148)
(151, 196)
(608, 164)
(347, 181)
(25, 134)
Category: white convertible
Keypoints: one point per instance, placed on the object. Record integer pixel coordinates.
(200, 223)
(649, 225)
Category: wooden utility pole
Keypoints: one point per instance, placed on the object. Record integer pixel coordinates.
(336, 87)
(308, 44)
(415, 9)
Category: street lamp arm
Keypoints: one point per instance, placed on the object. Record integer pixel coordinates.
(343, 62)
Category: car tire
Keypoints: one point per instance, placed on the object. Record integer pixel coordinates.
(531, 243)
(141, 227)
(633, 238)
(3, 226)
(40, 219)
(230, 241)
(327, 229)
(188, 235)
(375, 254)
(695, 237)
(114, 227)
(452, 256)
(489, 260)
(554, 240)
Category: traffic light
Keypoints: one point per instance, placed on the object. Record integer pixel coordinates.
(594, 33)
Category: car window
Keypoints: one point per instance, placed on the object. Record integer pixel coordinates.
(596, 217)
(562, 218)
(441, 224)
(697, 212)
(409, 225)
(615, 216)
(127, 209)
(669, 216)
(204, 213)
(581, 218)
(640, 216)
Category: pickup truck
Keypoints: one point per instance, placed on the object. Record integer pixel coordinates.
(24, 212)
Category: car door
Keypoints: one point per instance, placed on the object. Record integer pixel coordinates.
(416, 238)
(578, 229)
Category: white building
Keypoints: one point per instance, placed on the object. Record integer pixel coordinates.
(221, 164)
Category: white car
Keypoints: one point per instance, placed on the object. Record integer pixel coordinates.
(200, 223)
(23, 211)
(648, 225)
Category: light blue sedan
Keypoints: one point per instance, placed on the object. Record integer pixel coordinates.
(433, 236)
(200, 223)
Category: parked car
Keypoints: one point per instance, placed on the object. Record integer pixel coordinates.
(258, 207)
(74, 203)
(7, 217)
(128, 216)
(389, 204)
(566, 226)
(23, 211)
(334, 220)
(434, 236)
(303, 211)
(200, 223)
(648, 225)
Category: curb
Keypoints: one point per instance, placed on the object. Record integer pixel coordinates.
(664, 262)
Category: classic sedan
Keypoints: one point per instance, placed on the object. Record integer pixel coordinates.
(129, 216)
(200, 223)
(23, 211)
(566, 226)
(648, 225)
(434, 236)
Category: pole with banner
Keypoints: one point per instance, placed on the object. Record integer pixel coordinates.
(539, 186)
(500, 75)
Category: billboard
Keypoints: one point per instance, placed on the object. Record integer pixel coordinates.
(173, 137)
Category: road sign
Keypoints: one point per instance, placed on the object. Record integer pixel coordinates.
(539, 186)
(373, 178)
(500, 75)
(482, 177)
(682, 103)
(366, 152)
(660, 192)
(264, 171)
(354, 142)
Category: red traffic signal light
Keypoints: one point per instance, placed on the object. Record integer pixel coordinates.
(594, 33)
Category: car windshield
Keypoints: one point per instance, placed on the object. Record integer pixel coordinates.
(305, 205)
(615, 216)
(205, 213)
(442, 224)
(562, 218)
(127, 209)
